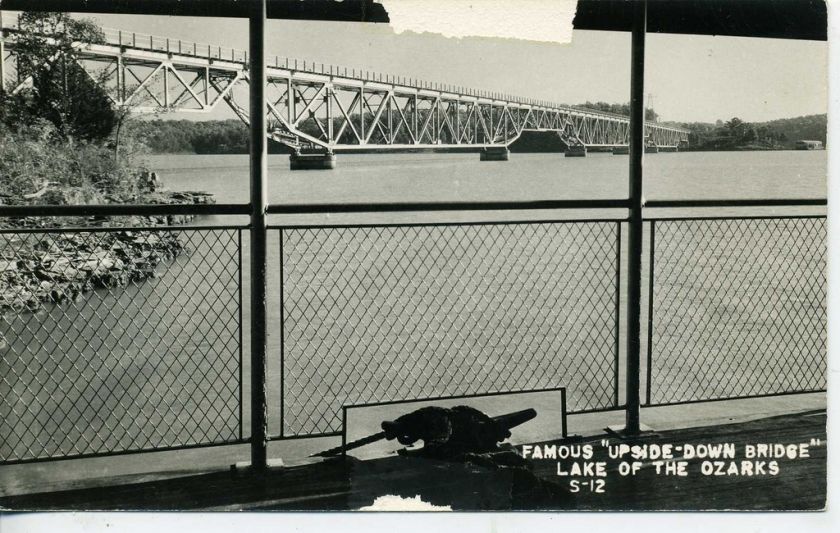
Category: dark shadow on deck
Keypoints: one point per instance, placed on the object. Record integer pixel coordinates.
(351, 484)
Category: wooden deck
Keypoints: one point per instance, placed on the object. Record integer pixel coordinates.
(351, 484)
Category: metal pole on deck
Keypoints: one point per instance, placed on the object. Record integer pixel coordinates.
(259, 170)
(634, 261)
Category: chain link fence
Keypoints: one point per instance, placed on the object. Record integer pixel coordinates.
(115, 340)
(739, 308)
(118, 340)
(406, 312)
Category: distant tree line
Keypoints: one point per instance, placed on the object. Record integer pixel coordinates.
(619, 109)
(192, 137)
(736, 134)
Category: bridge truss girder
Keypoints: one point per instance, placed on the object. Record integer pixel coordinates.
(339, 113)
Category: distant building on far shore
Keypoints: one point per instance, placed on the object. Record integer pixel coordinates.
(809, 145)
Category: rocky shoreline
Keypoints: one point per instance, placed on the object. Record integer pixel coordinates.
(59, 267)
(38, 268)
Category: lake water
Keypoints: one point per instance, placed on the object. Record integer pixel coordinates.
(380, 314)
(461, 177)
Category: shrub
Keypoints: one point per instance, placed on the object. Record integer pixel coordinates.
(31, 158)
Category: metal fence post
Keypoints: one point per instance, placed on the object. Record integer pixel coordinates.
(2, 56)
(259, 168)
(652, 263)
(634, 261)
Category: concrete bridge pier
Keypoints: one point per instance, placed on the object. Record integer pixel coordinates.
(495, 153)
(312, 160)
(576, 150)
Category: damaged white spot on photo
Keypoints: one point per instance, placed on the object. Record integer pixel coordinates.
(392, 503)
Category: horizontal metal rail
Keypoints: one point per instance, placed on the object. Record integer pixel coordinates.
(454, 397)
(732, 398)
(122, 210)
(399, 207)
(305, 436)
(395, 207)
(730, 217)
(512, 222)
(54, 458)
(730, 202)
(115, 229)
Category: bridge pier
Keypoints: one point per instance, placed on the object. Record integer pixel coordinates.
(576, 150)
(312, 161)
(494, 153)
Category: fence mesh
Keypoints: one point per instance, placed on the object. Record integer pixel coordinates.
(404, 312)
(118, 340)
(739, 308)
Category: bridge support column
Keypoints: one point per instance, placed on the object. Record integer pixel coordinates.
(312, 161)
(259, 253)
(634, 253)
(494, 153)
(576, 150)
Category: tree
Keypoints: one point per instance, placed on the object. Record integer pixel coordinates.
(734, 123)
(60, 91)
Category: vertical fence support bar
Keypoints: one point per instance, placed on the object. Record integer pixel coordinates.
(563, 415)
(2, 57)
(282, 336)
(241, 348)
(259, 425)
(648, 379)
(634, 261)
(617, 331)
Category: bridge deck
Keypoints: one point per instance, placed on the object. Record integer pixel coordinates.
(339, 485)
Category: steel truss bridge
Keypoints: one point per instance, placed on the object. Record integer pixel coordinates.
(327, 108)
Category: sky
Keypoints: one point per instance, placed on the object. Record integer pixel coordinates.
(688, 78)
